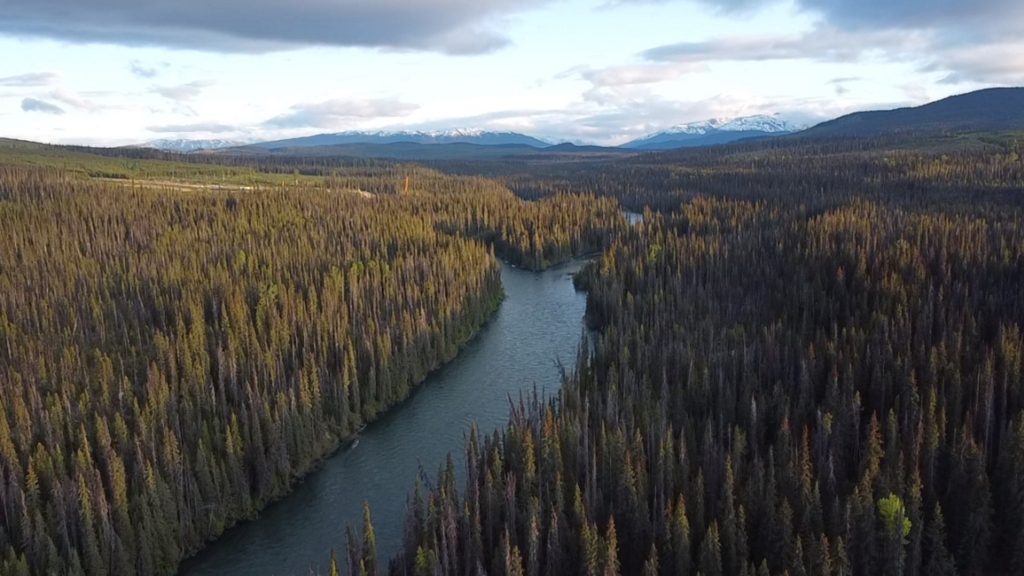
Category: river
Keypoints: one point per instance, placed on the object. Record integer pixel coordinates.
(538, 324)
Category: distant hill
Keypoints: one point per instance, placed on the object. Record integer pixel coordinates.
(993, 109)
(427, 152)
(459, 136)
(715, 131)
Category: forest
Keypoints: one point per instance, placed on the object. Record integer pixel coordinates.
(806, 360)
(809, 361)
(174, 354)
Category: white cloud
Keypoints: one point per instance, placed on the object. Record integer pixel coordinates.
(332, 113)
(33, 79)
(183, 92)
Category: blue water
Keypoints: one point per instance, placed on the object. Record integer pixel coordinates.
(538, 325)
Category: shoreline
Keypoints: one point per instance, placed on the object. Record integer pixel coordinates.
(338, 443)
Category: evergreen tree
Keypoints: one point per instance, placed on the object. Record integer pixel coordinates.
(937, 560)
(369, 552)
(711, 553)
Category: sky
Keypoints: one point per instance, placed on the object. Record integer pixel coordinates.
(115, 72)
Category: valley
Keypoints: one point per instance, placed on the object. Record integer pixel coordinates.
(789, 355)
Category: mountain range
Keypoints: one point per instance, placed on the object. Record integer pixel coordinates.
(186, 145)
(990, 109)
(456, 136)
(704, 133)
(715, 131)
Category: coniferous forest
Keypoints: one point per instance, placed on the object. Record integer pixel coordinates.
(807, 359)
(173, 355)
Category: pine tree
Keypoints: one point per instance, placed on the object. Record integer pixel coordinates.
(590, 549)
(970, 497)
(426, 562)
(841, 561)
(334, 564)
(369, 552)
(937, 560)
(651, 564)
(611, 556)
(680, 534)
(553, 551)
(1010, 489)
(711, 553)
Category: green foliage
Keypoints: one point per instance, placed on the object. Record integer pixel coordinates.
(894, 516)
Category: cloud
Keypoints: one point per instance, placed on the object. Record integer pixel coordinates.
(968, 40)
(74, 100)
(873, 14)
(999, 63)
(35, 105)
(141, 70)
(30, 80)
(841, 85)
(992, 15)
(624, 85)
(722, 6)
(183, 92)
(451, 26)
(823, 43)
(331, 113)
(210, 127)
(996, 61)
(634, 74)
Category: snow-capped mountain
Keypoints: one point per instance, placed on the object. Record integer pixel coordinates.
(759, 123)
(460, 135)
(185, 145)
(716, 131)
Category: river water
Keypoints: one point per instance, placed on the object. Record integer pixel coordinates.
(538, 325)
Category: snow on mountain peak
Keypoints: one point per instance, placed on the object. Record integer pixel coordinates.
(771, 124)
(449, 133)
(186, 145)
(457, 133)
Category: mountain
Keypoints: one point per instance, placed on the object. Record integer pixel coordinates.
(999, 109)
(414, 151)
(183, 145)
(715, 131)
(460, 136)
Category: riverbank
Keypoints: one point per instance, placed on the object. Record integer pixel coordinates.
(538, 323)
(335, 442)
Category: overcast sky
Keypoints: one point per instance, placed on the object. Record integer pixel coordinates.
(126, 71)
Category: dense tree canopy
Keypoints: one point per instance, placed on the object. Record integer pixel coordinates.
(173, 355)
(810, 365)
(806, 360)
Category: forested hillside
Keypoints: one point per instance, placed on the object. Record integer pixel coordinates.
(174, 352)
(989, 109)
(807, 364)
(893, 169)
